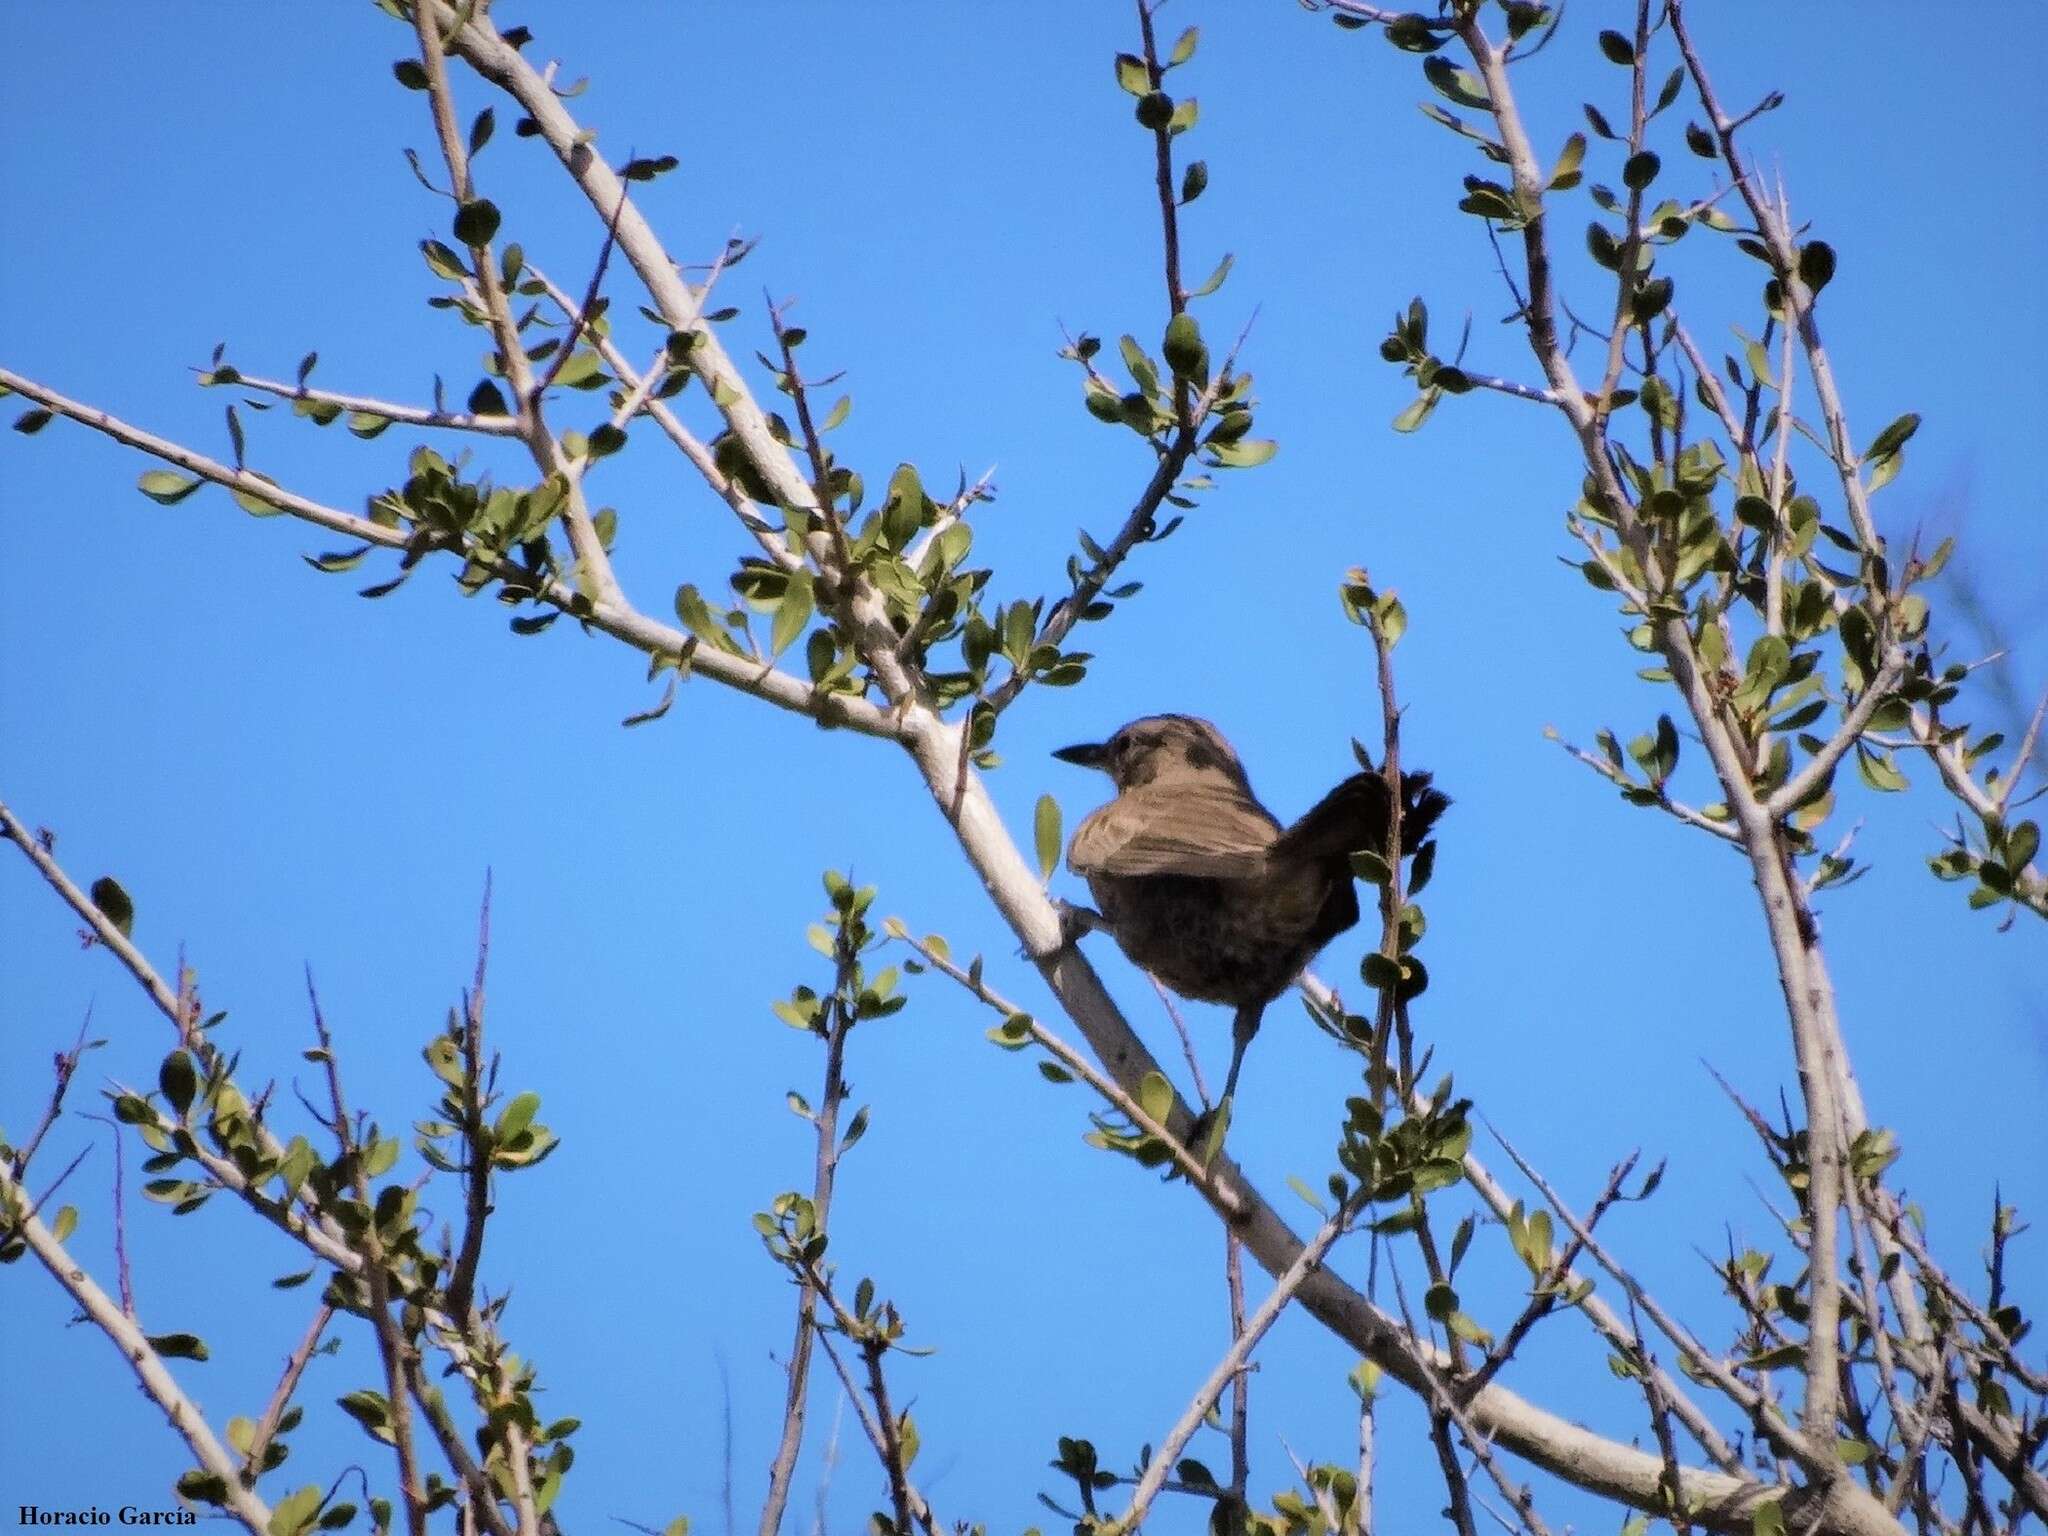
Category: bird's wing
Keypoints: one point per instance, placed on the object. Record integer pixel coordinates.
(1208, 830)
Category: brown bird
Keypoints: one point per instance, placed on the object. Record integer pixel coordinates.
(1202, 887)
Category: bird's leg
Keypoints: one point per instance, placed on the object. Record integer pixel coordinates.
(1213, 1124)
(1077, 921)
(1242, 1028)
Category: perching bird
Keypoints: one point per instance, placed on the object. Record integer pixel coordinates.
(1202, 887)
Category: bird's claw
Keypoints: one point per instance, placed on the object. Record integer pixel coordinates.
(1074, 922)
(1205, 1137)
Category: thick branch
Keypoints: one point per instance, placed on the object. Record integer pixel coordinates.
(126, 1335)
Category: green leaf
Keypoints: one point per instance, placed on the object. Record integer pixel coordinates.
(1245, 453)
(1619, 50)
(1045, 827)
(476, 222)
(178, 1346)
(1417, 411)
(167, 486)
(1132, 75)
(1893, 437)
(1468, 1330)
(480, 131)
(793, 613)
(1393, 619)
(28, 423)
(179, 1081)
(516, 1117)
(1673, 84)
(339, 560)
(647, 170)
(2021, 844)
(1215, 278)
(114, 904)
(1878, 770)
(1640, 170)
(1455, 84)
(1566, 173)
(1816, 264)
(1300, 1187)
(1183, 348)
(1155, 1096)
(1184, 47)
(1371, 867)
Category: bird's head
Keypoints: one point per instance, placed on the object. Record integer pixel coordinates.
(1161, 747)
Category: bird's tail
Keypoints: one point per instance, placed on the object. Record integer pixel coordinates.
(1354, 817)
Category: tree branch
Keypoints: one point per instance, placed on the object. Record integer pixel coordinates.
(126, 1335)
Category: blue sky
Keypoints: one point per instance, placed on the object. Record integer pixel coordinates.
(285, 775)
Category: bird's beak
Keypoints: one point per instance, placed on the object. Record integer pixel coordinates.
(1092, 755)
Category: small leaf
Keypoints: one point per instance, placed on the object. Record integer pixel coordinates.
(476, 222)
(179, 1081)
(793, 613)
(1155, 1096)
(1816, 264)
(1566, 174)
(340, 560)
(1245, 453)
(178, 1346)
(1215, 278)
(1619, 50)
(647, 170)
(1893, 437)
(1416, 412)
(167, 486)
(1045, 826)
(114, 903)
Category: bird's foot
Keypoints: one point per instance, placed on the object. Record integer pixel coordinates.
(1205, 1139)
(1077, 921)
(1074, 923)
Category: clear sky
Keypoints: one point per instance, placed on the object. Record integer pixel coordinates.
(284, 775)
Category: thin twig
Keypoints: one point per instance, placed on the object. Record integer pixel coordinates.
(835, 1022)
(618, 619)
(280, 1399)
(487, 423)
(1234, 1359)
(476, 1171)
